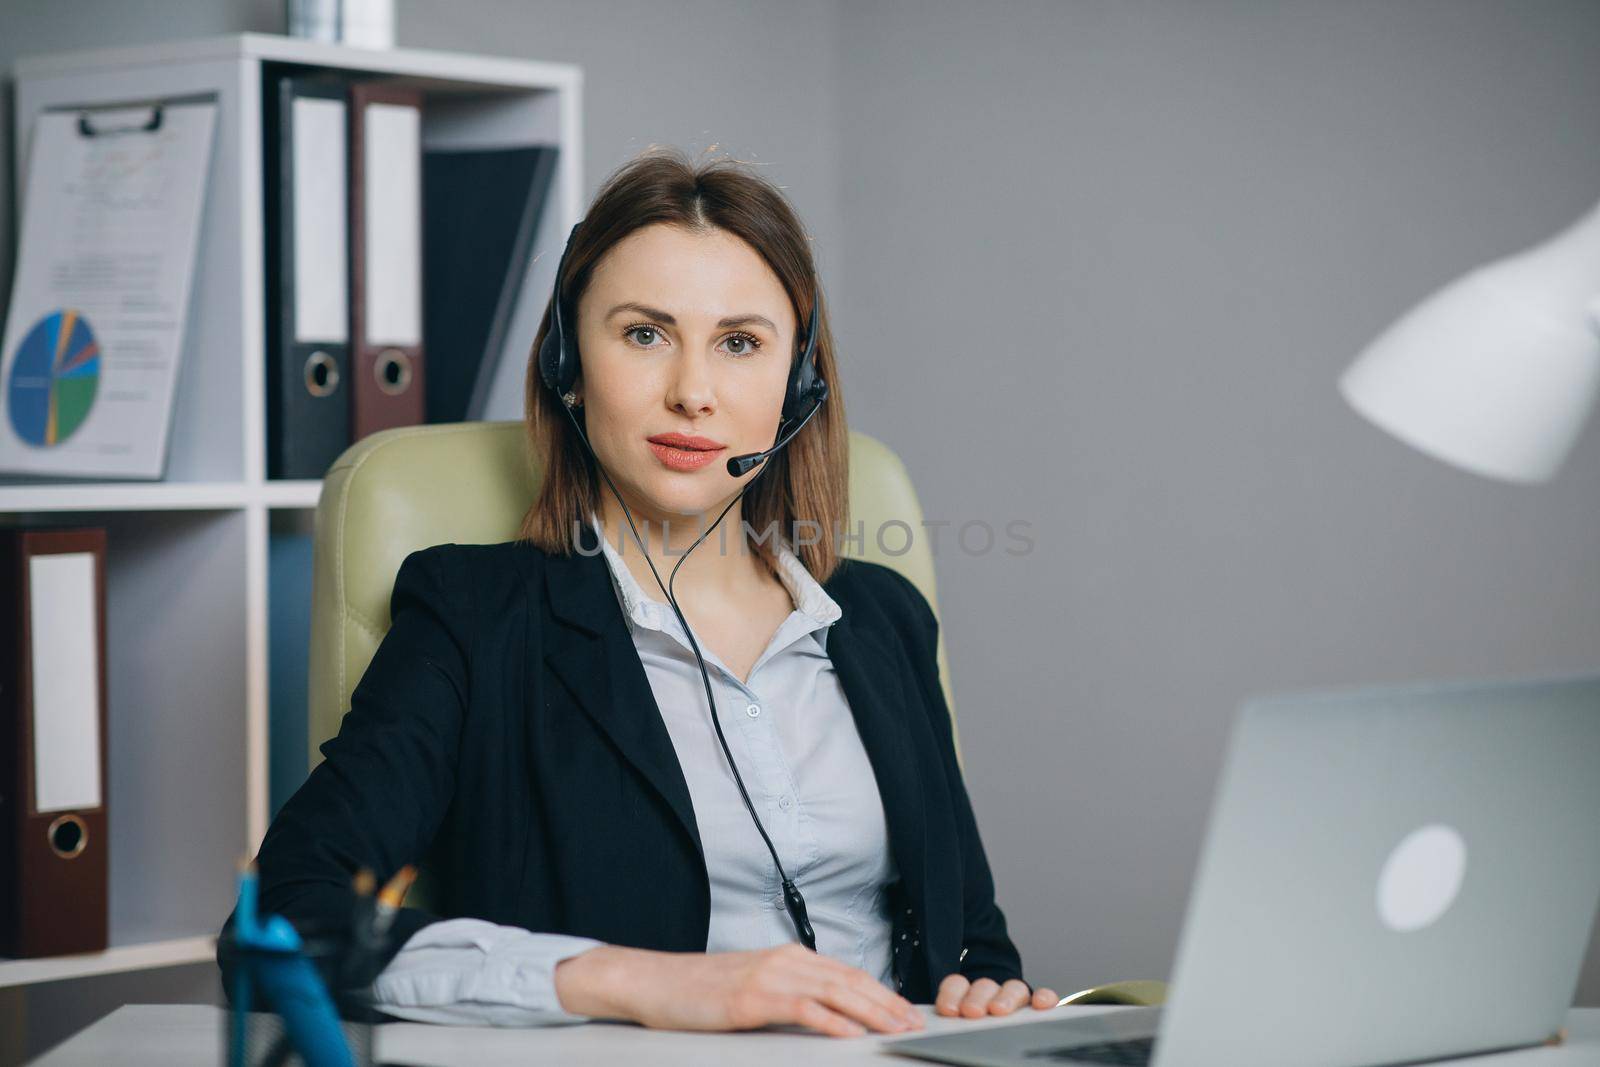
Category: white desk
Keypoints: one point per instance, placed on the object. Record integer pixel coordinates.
(185, 1035)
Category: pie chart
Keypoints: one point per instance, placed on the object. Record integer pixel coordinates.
(54, 379)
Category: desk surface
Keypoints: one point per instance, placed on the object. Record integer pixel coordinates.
(180, 1035)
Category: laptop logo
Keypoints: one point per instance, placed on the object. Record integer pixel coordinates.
(1421, 878)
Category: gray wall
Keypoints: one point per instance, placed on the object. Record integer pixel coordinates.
(1104, 263)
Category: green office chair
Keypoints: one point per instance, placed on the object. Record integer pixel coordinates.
(471, 483)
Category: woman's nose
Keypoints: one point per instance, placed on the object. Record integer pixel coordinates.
(691, 390)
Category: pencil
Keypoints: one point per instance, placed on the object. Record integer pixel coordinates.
(389, 900)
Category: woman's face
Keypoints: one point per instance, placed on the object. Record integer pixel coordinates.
(687, 334)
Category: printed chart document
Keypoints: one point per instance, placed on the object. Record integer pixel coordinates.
(94, 335)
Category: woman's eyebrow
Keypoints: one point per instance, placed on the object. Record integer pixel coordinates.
(670, 320)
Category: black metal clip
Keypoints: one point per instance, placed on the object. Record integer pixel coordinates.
(152, 124)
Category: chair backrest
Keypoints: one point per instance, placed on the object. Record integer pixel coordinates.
(470, 483)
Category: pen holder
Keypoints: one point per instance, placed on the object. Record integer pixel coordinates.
(267, 1027)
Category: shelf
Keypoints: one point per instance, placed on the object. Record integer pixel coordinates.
(124, 958)
(208, 569)
(125, 496)
(290, 494)
(454, 71)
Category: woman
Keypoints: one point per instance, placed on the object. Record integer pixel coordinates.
(535, 723)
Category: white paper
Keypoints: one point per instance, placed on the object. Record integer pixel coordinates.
(64, 623)
(392, 177)
(95, 331)
(320, 191)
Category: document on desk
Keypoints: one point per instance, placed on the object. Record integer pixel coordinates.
(110, 218)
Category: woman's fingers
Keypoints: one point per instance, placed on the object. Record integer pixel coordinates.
(808, 1012)
(1012, 995)
(856, 1003)
(896, 1005)
(951, 990)
(975, 1004)
(826, 969)
(872, 989)
(841, 992)
(958, 996)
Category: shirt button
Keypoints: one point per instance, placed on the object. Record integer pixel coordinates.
(752, 710)
(778, 904)
(783, 803)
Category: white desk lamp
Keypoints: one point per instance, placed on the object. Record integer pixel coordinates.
(1497, 371)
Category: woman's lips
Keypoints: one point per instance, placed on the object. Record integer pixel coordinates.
(684, 458)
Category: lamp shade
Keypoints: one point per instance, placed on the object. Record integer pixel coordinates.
(1496, 372)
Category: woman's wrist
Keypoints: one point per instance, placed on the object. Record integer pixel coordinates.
(598, 983)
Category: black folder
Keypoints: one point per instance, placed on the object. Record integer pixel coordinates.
(480, 212)
(307, 242)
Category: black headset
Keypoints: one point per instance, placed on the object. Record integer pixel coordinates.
(558, 369)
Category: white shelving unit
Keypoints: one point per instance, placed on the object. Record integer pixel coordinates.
(187, 565)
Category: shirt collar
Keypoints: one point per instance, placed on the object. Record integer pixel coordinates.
(809, 598)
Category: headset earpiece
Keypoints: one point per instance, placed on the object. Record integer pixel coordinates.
(558, 355)
(806, 387)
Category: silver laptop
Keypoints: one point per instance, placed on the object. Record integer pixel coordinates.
(1389, 876)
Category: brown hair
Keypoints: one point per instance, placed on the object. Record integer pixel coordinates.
(808, 481)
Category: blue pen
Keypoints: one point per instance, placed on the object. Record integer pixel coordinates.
(272, 952)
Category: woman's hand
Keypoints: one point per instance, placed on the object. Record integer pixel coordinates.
(731, 991)
(974, 1000)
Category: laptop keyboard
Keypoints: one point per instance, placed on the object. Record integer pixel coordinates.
(1136, 1052)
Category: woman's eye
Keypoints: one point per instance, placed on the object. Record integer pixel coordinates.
(649, 333)
(747, 345)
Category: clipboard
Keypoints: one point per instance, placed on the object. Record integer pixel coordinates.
(112, 203)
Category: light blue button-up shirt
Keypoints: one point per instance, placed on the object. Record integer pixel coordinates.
(791, 731)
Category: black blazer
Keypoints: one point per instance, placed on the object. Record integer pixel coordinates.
(505, 734)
